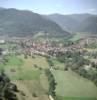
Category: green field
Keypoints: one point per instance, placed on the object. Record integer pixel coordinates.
(17, 67)
(78, 36)
(11, 61)
(75, 98)
(29, 79)
(38, 60)
(70, 86)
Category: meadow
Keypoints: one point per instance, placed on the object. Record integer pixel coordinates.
(71, 86)
(29, 79)
(28, 74)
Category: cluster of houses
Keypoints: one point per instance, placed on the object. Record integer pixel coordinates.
(28, 46)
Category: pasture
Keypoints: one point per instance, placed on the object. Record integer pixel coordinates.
(29, 79)
(71, 86)
(28, 74)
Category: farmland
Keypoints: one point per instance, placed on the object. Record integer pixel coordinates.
(70, 86)
(23, 73)
(28, 73)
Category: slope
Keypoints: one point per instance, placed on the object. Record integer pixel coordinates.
(23, 23)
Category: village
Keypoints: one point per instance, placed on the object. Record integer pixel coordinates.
(28, 46)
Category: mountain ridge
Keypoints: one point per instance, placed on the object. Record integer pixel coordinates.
(24, 22)
(72, 21)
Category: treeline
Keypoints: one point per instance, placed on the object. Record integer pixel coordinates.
(52, 83)
(50, 61)
(7, 89)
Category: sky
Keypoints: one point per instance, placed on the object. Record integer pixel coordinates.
(53, 6)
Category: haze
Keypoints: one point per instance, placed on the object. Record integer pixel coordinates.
(53, 6)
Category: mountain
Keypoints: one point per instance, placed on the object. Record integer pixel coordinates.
(76, 22)
(2, 8)
(15, 22)
(65, 21)
(88, 25)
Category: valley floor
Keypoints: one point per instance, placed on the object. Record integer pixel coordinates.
(28, 74)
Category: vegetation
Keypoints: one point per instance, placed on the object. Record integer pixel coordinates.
(71, 86)
(74, 98)
(52, 63)
(7, 88)
(14, 25)
(76, 22)
(52, 83)
(76, 62)
(23, 73)
(48, 75)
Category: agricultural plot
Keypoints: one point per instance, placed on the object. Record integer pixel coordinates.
(29, 79)
(18, 67)
(28, 74)
(78, 36)
(70, 86)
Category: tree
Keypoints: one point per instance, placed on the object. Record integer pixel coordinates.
(7, 89)
(0, 51)
(52, 82)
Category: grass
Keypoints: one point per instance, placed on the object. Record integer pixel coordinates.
(19, 68)
(1, 66)
(26, 75)
(30, 87)
(78, 36)
(13, 60)
(40, 61)
(71, 86)
(57, 64)
(32, 78)
(75, 98)
(29, 79)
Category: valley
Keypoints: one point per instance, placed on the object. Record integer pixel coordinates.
(48, 56)
(69, 62)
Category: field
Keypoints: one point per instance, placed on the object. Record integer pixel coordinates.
(33, 61)
(29, 79)
(16, 65)
(28, 74)
(70, 86)
(78, 36)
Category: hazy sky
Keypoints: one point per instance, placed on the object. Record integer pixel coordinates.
(53, 6)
